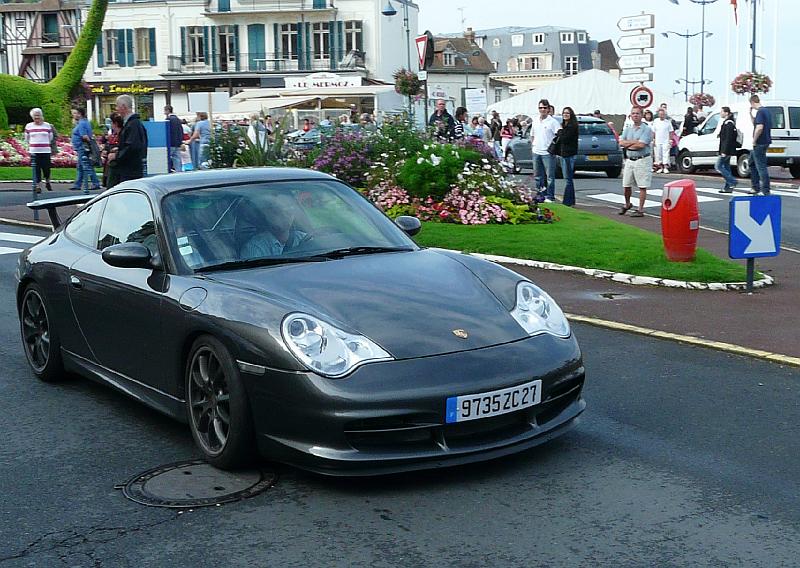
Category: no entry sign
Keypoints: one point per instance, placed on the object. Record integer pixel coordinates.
(641, 96)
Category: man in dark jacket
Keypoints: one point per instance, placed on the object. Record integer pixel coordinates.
(131, 157)
(175, 139)
(727, 148)
(442, 121)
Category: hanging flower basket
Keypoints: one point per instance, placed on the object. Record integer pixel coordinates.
(702, 100)
(751, 83)
(407, 83)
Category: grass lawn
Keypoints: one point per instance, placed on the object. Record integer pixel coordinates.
(582, 239)
(23, 173)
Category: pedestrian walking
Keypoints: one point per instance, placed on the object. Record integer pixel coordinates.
(442, 121)
(81, 139)
(690, 122)
(662, 141)
(762, 138)
(484, 132)
(40, 136)
(201, 138)
(568, 149)
(257, 132)
(727, 149)
(131, 159)
(635, 143)
(175, 140)
(496, 125)
(110, 149)
(507, 134)
(543, 132)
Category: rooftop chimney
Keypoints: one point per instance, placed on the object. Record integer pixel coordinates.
(469, 35)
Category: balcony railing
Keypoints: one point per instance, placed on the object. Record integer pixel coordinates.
(264, 63)
(244, 6)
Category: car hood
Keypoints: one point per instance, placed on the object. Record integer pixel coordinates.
(409, 303)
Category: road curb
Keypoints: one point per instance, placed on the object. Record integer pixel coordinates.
(629, 278)
(699, 342)
(33, 224)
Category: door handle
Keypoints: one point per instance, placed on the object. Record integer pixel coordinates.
(75, 282)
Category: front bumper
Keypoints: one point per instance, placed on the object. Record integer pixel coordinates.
(389, 417)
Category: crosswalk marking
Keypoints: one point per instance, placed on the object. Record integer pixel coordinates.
(617, 198)
(8, 250)
(17, 238)
(655, 192)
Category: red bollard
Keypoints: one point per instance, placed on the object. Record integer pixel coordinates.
(680, 220)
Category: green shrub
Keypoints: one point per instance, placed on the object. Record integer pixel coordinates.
(434, 170)
(516, 213)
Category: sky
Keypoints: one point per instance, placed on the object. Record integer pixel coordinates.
(727, 51)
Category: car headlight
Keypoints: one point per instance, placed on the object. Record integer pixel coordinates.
(538, 313)
(326, 349)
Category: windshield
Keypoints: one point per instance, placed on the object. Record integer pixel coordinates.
(275, 223)
(594, 129)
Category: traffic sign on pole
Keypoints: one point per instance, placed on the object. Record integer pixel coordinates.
(640, 22)
(755, 226)
(638, 61)
(636, 78)
(422, 46)
(641, 96)
(638, 41)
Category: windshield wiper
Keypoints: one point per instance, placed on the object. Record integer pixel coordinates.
(256, 262)
(350, 251)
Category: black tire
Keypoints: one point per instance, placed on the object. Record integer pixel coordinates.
(685, 165)
(40, 339)
(743, 165)
(515, 169)
(614, 172)
(794, 169)
(217, 406)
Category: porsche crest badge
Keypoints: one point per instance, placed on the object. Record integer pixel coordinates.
(460, 333)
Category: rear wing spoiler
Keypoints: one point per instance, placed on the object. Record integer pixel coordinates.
(52, 205)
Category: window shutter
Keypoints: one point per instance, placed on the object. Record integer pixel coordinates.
(100, 38)
(152, 46)
(121, 59)
(236, 47)
(255, 47)
(318, 4)
(205, 45)
(277, 40)
(309, 47)
(339, 40)
(301, 46)
(333, 41)
(129, 47)
(224, 5)
(183, 45)
(215, 58)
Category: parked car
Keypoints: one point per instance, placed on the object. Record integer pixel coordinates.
(278, 311)
(700, 150)
(598, 149)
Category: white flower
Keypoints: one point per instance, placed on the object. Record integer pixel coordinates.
(484, 160)
(435, 160)
(420, 160)
(425, 147)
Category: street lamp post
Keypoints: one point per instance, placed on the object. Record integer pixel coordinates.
(688, 36)
(703, 40)
(389, 11)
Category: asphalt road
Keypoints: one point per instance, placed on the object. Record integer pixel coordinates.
(684, 457)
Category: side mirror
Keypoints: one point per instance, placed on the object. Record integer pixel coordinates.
(128, 255)
(410, 225)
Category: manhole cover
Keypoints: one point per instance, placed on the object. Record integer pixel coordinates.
(194, 483)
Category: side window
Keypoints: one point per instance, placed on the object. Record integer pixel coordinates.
(794, 117)
(128, 218)
(777, 116)
(710, 124)
(83, 227)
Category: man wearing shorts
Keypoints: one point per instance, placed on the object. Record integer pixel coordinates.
(635, 142)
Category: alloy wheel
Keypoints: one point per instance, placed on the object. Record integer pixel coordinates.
(209, 400)
(35, 330)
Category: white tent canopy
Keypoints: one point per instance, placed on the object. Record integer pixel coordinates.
(585, 92)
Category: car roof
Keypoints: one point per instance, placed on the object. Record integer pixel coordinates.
(169, 183)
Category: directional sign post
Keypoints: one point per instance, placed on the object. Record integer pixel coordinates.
(638, 41)
(640, 22)
(755, 230)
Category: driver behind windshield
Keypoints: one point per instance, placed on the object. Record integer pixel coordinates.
(279, 232)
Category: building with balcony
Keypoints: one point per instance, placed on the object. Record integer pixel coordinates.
(161, 50)
(37, 37)
(530, 57)
(459, 67)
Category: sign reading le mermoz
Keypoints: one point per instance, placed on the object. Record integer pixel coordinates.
(321, 81)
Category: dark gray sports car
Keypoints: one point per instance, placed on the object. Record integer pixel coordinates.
(278, 310)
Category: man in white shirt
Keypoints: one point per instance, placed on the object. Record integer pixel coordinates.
(544, 163)
(662, 141)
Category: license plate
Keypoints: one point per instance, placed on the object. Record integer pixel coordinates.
(775, 150)
(597, 157)
(493, 403)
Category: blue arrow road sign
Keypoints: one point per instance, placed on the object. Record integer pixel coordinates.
(755, 226)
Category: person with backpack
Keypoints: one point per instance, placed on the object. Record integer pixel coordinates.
(727, 149)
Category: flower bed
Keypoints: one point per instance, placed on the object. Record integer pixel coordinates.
(14, 152)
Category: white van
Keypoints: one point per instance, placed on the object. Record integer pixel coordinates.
(700, 150)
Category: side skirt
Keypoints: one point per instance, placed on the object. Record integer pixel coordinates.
(152, 397)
